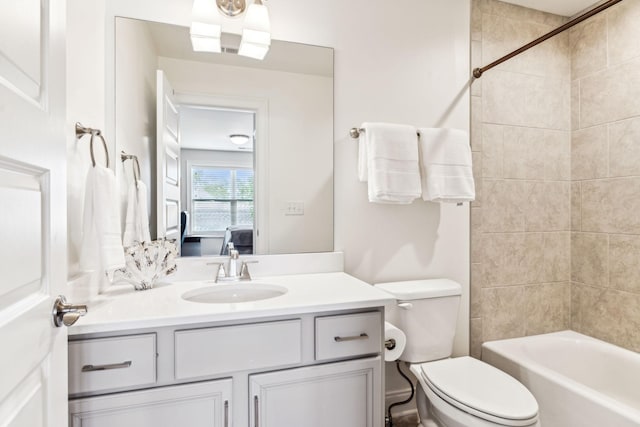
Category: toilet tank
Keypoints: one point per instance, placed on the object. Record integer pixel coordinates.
(426, 311)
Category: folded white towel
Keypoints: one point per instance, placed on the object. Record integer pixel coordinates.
(445, 162)
(136, 228)
(101, 239)
(388, 160)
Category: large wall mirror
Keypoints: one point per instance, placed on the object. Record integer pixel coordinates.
(231, 148)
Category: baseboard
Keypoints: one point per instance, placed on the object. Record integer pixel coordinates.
(393, 396)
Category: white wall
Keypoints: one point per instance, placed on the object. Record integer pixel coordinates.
(135, 102)
(85, 104)
(405, 64)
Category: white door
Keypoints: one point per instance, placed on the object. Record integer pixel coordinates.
(168, 161)
(33, 360)
(343, 394)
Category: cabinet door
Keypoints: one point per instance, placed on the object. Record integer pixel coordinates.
(345, 394)
(195, 405)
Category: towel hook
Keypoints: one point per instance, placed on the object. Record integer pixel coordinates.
(81, 131)
(136, 165)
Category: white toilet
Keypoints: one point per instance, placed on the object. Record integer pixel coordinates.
(458, 392)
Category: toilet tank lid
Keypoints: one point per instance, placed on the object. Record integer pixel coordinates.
(420, 289)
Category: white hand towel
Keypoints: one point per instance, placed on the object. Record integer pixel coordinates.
(101, 242)
(446, 168)
(388, 159)
(136, 228)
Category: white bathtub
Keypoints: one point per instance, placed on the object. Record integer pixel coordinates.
(577, 380)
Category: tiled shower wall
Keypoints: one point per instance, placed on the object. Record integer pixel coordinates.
(521, 142)
(556, 143)
(605, 173)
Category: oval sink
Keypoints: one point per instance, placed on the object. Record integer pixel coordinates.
(234, 292)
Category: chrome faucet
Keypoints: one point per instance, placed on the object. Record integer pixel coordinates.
(230, 274)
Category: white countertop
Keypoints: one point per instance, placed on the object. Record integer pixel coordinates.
(122, 308)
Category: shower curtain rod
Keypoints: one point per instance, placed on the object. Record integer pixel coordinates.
(477, 72)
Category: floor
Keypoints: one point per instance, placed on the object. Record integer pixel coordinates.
(406, 421)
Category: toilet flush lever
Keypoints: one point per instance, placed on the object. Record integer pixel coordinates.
(405, 305)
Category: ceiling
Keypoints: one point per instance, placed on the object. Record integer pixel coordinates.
(204, 128)
(558, 7)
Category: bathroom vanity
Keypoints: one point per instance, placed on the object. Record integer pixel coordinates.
(312, 356)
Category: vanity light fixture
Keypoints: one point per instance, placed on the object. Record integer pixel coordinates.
(205, 27)
(231, 7)
(239, 138)
(256, 32)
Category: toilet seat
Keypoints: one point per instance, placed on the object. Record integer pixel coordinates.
(481, 390)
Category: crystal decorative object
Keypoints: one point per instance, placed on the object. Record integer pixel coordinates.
(147, 262)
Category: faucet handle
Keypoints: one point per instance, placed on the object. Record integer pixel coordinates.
(220, 271)
(244, 269)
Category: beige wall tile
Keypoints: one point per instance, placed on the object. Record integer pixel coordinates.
(589, 153)
(575, 105)
(525, 100)
(610, 95)
(557, 155)
(476, 234)
(524, 14)
(502, 313)
(588, 46)
(476, 290)
(589, 258)
(624, 147)
(476, 19)
(557, 257)
(502, 35)
(476, 123)
(611, 315)
(476, 158)
(545, 308)
(548, 206)
(512, 259)
(624, 31)
(492, 151)
(611, 205)
(576, 317)
(475, 347)
(523, 148)
(476, 62)
(503, 205)
(624, 262)
(576, 207)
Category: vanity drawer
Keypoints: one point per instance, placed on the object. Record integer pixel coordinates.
(112, 363)
(348, 335)
(224, 349)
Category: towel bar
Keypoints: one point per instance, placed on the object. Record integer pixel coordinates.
(81, 131)
(355, 132)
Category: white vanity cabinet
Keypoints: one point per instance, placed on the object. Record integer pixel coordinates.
(307, 370)
(204, 404)
(335, 394)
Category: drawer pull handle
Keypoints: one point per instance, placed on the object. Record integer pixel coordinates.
(362, 336)
(91, 368)
(226, 413)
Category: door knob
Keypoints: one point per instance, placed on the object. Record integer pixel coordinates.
(67, 314)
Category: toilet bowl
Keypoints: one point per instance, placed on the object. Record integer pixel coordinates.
(452, 392)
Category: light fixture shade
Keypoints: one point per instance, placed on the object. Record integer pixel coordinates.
(205, 27)
(239, 139)
(256, 33)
